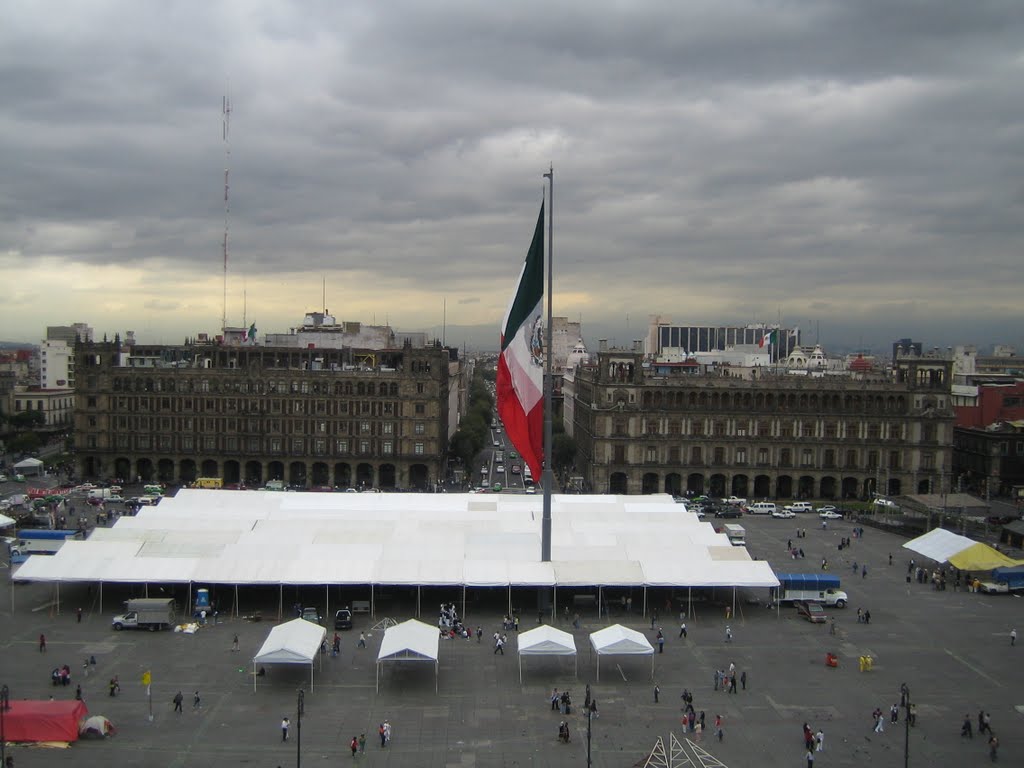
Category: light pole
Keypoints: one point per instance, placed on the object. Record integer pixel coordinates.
(300, 707)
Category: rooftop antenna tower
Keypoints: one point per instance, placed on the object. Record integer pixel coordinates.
(226, 130)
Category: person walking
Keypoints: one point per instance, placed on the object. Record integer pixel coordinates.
(966, 729)
(285, 725)
(42, 643)
(732, 683)
(728, 633)
(819, 741)
(593, 708)
(479, 633)
(657, 692)
(234, 643)
(1013, 637)
(879, 722)
(810, 759)
(78, 615)
(114, 685)
(499, 646)
(864, 572)
(78, 693)
(354, 746)
(362, 743)
(719, 732)
(894, 714)
(196, 701)
(682, 630)
(661, 641)
(178, 699)
(993, 748)
(387, 731)
(380, 732)
(743, 679)
(362, 639)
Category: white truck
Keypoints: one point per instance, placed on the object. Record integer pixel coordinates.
(736, 501)
(799, 506)
(150, 613)
(737, 536)
(812, 587)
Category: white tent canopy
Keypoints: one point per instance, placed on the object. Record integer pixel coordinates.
(546, 640)
(939, 544)
(294, 642)
(618, 640)
(29, 466)
(409, 641)
(6, 521)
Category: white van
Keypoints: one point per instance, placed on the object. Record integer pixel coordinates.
(761, 508)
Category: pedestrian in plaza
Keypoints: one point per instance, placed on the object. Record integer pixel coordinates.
(42, 643)
(479, 634)
(499, 646)
(819, 741)
(890, 558)
(728, 633)
(554, 699)
(354, 746)
(743, 679)
(362, 743)
(234, 643)
(879, 722)
(654, 618)
(576, 621)
(732, 683)
(114, 685)
(1013, 637)
(719, 731)
(863, 571)
(362, 638)
(718, 678)
(78, 693)
(810, 759)
(966, 729)
(987, 721)
(593, 708)
(78, 615)
(657, 692)
(661, 641)
(285, 725)
(993, 748)
(196, 701)
(336, 645)
(387, 731)
(380, 732)
(867, 616)
(682, 629)
(178, 699)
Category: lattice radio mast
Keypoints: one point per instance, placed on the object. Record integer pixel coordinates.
(226, 127)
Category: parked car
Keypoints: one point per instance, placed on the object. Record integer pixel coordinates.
(727, 512)
(813, 612)
(783, 514)
(516, 469)
(312, 614)
(832, 515)
(827, 508)
(737, 501)
(343, 619)
(885, 503)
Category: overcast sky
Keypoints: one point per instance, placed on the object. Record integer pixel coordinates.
(856, 167)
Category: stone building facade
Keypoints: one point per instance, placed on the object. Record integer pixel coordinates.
(640, 429)
(343, 418)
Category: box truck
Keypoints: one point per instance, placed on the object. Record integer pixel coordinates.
(150, 613)
(814, 587)
(737, 536)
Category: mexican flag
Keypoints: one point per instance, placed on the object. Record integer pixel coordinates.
(769, 339)
(521, 363)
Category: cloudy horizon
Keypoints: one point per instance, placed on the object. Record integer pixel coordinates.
(851, 168)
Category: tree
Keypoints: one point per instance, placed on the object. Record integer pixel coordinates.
(563, 447)
(27, 420)
(26, 442)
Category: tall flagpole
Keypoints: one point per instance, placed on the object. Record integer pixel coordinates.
(547, 479)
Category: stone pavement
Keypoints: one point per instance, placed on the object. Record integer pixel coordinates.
(952, 649)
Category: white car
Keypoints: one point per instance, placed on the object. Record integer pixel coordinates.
(831, 515)
(826, 508)
(885, 503)
(783, 514)
(500, 469)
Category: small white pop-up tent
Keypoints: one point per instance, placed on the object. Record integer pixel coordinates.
(618, 640)
(29, 466)
(294, 642)
(409, 641)
(546, 640)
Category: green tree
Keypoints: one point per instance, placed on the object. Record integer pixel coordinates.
(25, 442)
(563, 448)
(27, 420)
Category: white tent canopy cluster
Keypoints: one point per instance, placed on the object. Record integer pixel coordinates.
(262, 537)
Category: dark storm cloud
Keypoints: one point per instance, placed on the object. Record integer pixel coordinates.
(741, 158)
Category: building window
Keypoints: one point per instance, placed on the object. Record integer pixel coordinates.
(298, 446)
(785, 458)
(786, 430)
(419, 388)
(719, 456)
(830, 458)
(719, 428)
(275, 445)
(319, 446)
(619, 428)
(619, 454)
(209, 442)
(90, 401)
(419, 428)
(388, 428)
(387, 448)
(420, 409)
(894, 459)
(231, 443)
(807, 430)
(851, 459)
(652, 454)
(417, 449)
(321, 427)
(807, 457)
(872, 459)
(696, 455)
(673, 454)
(697, 428)
(741, 456)
(874, 432)
(927, 461)
(762, 457)
(831, 430)
(341, 447)
(364, 427)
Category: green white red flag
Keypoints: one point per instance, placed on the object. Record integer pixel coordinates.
(769, 339)
(521, 362)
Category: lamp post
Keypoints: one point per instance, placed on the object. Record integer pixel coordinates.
(300, 708)
(590, 720)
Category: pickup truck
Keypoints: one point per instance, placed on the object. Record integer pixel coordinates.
(799, 506)
(737, 501)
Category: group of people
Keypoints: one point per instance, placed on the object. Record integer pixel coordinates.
(814, 741)
(726, 679)
(61, 675)
(449, 625)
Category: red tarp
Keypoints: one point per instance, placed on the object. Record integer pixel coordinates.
(43, 720)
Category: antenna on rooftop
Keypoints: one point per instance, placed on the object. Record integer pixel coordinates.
(226, 130)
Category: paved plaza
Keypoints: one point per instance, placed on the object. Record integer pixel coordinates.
(951, 648)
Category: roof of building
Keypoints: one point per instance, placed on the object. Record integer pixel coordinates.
(262, 537)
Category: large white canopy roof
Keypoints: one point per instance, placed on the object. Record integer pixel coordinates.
(620, 640)
(939, 544)
(263, 537)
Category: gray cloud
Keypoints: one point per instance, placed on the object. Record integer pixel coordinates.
(858, 163)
